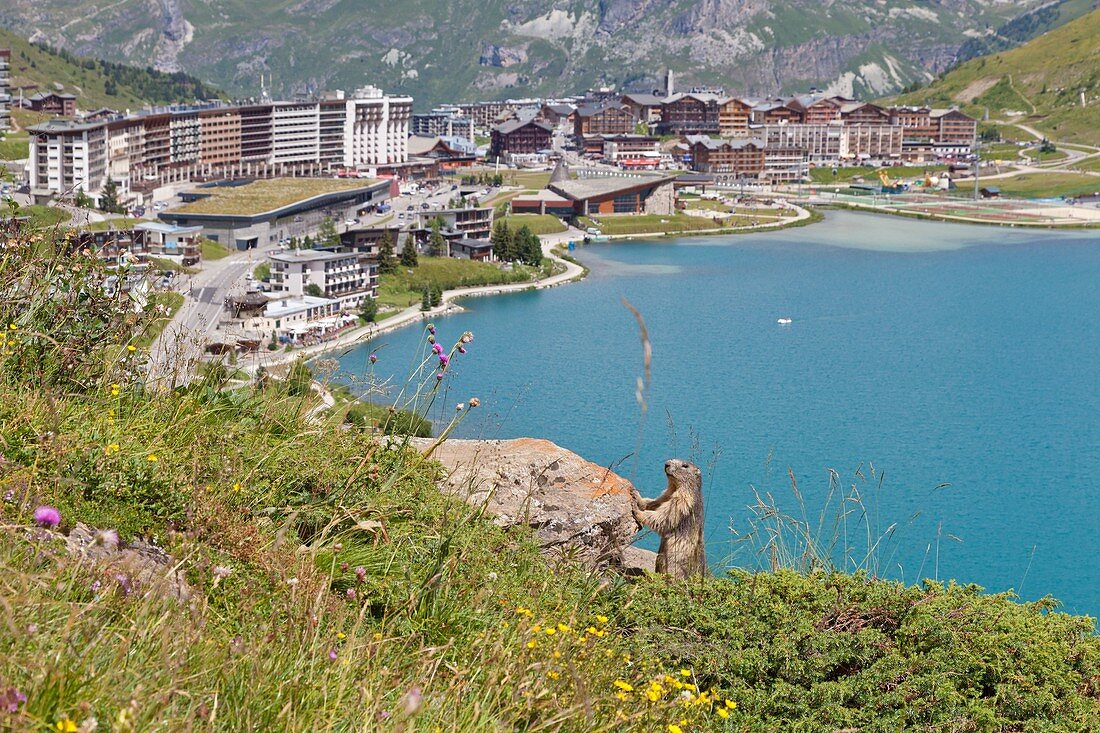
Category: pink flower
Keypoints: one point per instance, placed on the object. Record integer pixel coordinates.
(360, 573)
(47, 516)
(462, 349)
(439, 377)
(437, 348)
(444, 360)
(431, 328)
(332, 655)
(351, 594)
(374, 358)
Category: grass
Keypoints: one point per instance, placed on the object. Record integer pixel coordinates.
(45, 216)
(848, 174)
(162, 308)
(1047, 185)
(404, 288)
(15, 146)
(536, 180)
(115, 223)
(166, 265)
(708, 205)
(622, 224)
(332, 586)
(537, 223)
(212, 250)
(266, 195)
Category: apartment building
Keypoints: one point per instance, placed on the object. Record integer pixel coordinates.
(377, 128)
(183, 138)
(219, 136)
(784, 165)
(822, 144)
(690, 114)
(445, 121)
(953, 126)
(871, 142)
(605, 118)
(5, 90)
(53, 103)
(644, 107)
(516, 137)
(295, 132)
(777, 111)
(734, 116)
(819, 110)
(256, 133)
(863, 113)
(332, 117)
(727, 158)
(67, 156)
(339, 276)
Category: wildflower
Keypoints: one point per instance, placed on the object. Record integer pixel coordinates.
(377, 636)
(237, 487)
(601, 619)
(332, 654)
(292, 582)
(557, 654)
(47, 516)
(115, 390)
(491, 576)
(553, 675)
(621, 696)
(474, 402)
(107, 538)
(532, 644)
(95, 586)
(152, 458)
(221, 571)
(467, 337)
(439, 377)
(431, 328)
(624, 686)
(723, 713)
(444, 360)
(13, 327)
(350, 594)
(11, 700)
(438, 349)
(564, 628)
(653, 693)
(131, 348)
(374, 358)
(685, 673)
(341, 635)
(65, 725)
(524, 611)
(731, 704)
(462, 349)
(413, 699)
(551, 631)
(673, 728)
(431, 339)
(360, 574)
(112, 448)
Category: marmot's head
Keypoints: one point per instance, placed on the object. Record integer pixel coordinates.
(682, 474)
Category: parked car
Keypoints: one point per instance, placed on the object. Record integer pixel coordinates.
(351, 222)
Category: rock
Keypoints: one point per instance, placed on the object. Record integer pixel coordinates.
(577, 509)
(136, 565)
(637, 561)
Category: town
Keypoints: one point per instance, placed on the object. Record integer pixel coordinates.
(306, 198)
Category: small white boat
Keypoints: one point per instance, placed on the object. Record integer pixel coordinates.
(783, 321)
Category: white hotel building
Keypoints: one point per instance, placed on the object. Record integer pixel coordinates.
(376, 128)
(68, 156)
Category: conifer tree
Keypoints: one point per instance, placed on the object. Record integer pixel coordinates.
(408, 253)
(387, 263)
(501, 239)
(426, 300)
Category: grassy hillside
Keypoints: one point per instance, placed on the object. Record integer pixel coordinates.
(1042, 79)
(96, 83)
(317, 580)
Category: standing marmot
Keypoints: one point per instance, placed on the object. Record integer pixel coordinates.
(676, 515)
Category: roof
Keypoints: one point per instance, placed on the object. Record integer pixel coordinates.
(543, 194)
(594, 109)
(644, 100)
(561, 172)
(586, 188)
(289, 306)
(848, 107)
(161, 228)
(57, 126)
(716, 144)
(309, 255)
(264, 196)
(561, 109)
(511, 126)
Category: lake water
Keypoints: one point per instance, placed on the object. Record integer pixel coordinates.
(960, 362)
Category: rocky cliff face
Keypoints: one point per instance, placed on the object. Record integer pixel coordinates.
(465, 48)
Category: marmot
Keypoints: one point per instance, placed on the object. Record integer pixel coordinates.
(676, 515)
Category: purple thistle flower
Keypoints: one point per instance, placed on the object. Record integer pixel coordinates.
(431, 329)
(462, 349)
(47, 516)
(332, 655)
(437, 348)
(444, 360)
(360, 573)
(11, 700)
(374, 358)
(439, 377)
(351, 594)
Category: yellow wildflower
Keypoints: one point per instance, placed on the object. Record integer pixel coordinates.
(532, 644)
(131, 348)
(152, 458)
(377, 636)
(653, 693)
(550, 631)
(685, 673)
(524, 611)
(624, 686)
(563, 628)
(341, 636)
(237, 487)
(536, 628)
(553, 675)
(66, 726)
(557, 654)
(723, 713)
(115, 390)
(601, 619)
(621, 695)
(112, 448)
(673, 728)
(731, 704)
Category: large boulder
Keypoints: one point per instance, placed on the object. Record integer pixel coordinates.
(578, 509)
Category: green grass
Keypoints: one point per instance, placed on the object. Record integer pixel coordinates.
(212, 250)
(622, 224)
(332, 586)
(45, 216)
(402, 288)
(1089, 164)
(118, 223)
(537, 223)
(266, 195)
(848, 173)
(536, 180)
(1050, 157)
(708, 205)
(15, 146)
(1047, 185)
(166, 265)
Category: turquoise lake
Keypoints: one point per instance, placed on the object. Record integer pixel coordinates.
(962, 363)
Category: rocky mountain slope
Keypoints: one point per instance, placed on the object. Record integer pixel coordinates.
(1051, 83)
(464, 49)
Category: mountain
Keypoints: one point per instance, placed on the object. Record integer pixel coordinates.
(1040, 84)
(470, 49)
(96, 83)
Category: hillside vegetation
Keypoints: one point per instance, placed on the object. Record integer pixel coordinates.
(97, 83)
(1041, 81)
(316, 579)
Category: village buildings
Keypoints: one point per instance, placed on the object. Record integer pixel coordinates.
(5, 90)
(517, 137)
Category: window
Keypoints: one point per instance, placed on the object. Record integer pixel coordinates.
(625, 204)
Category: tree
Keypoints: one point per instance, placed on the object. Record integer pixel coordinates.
(108, 200)
(368, 310)
(314, 290)
(307, 243)
(527, 248)
(408, 253)
(327, 236)
(298, 379)
(387, 263)
(436, 294)
(426, 300)
(501, 239)
(437, 245)
(83, 200)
